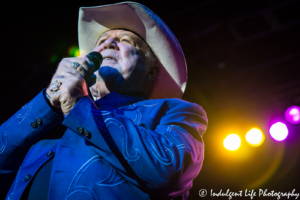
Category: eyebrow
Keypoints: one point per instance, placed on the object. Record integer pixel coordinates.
(105, 34)
(123, 34)
(131, 36)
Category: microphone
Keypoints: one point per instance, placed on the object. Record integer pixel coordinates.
(95, 60)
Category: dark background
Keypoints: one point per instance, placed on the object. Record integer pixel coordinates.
(243, 65)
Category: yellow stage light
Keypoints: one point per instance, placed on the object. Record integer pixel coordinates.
(232, 142)
(255, 137)
(74, 51)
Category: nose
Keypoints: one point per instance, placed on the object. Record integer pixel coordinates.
(110, 43)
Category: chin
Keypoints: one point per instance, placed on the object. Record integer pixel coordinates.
(110, 63)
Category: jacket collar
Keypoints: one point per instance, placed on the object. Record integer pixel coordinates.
(116, 100)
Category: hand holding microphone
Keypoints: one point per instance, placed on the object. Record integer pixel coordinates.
(95, 59)
(72, 79)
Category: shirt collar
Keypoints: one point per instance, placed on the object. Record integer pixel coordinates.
(116, 100)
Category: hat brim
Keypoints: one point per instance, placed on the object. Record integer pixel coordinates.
(93, 21)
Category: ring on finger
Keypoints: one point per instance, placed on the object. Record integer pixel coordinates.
(75, 65)
(55, 86)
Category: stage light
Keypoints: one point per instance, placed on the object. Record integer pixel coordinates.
(74, 51)
(255, 137)
(292, 114)
(278, 131)
(232, 142)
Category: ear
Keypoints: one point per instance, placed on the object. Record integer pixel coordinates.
(152, 73)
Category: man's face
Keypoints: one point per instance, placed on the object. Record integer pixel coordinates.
(123, 68)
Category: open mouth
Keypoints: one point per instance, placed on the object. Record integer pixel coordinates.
(109, 58)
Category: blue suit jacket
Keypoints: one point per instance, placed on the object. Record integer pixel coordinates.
(120, 147)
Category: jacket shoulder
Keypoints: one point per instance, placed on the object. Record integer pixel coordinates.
(175, 104)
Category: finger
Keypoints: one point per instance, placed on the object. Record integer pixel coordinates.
(55, 85)
(85, 63)
(65, 71)
(54, 98)
(83, 72)
(82, 69)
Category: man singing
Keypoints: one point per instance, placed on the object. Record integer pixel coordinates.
(137, 140)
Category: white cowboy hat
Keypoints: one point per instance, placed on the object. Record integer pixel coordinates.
(135, 17)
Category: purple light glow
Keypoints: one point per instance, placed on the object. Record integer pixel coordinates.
(292, 114)
(279, 131)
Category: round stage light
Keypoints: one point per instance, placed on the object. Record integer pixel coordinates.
(279, 131)
(255, 137)
(292, 114)
(74, 51)
(232, 142)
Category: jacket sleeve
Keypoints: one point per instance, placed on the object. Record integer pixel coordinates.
(20, 132)
(163, 152)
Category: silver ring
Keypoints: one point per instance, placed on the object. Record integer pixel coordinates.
(55, 86)
(75, 65)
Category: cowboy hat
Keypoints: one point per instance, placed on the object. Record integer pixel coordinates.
(135, 17)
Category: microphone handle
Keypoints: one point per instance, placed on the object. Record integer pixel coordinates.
(96, 60)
